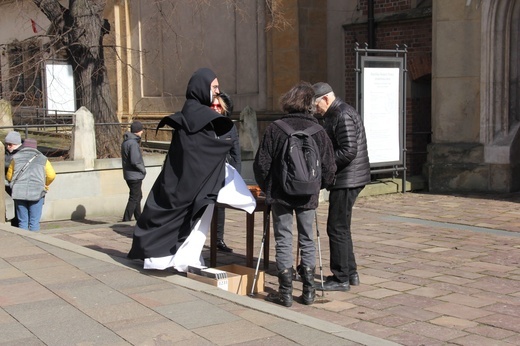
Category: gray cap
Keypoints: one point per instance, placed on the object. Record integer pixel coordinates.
(321, 89)
(13, 137)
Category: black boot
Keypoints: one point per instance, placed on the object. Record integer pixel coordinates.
(284, 294)
(308, 292)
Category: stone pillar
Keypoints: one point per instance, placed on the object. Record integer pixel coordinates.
(84, 138)
(248, 133)
(6, 114)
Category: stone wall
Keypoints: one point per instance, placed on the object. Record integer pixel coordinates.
(79, 192)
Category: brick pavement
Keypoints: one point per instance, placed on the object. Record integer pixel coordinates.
(435, 269)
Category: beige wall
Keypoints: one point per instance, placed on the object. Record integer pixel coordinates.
(98, 192)
(455, 72)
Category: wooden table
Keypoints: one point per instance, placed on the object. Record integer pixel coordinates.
(250, 232)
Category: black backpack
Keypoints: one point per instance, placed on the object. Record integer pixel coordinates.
(300, 165)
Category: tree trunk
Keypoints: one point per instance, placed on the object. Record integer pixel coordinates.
(81, 29)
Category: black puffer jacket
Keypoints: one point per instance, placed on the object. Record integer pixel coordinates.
(268, 156)
(347, 132)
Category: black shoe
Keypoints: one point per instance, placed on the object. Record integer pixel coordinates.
(223, 247)
(354, 279)
(334, 285)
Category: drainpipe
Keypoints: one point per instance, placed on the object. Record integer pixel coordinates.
(371, 23)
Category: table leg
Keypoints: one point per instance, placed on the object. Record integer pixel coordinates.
(213, 240)
(250, 232)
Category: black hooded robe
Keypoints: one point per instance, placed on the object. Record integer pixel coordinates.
(191, 176)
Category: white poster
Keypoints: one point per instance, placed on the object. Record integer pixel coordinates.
(381, 113)
(59, 83)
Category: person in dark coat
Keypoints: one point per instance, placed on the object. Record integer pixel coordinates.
(347, 132)
(223, 104)
(298, 103)
(134, 170)
(192, 174)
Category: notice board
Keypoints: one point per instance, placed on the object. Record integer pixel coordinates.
(382, 109)
(60, 91)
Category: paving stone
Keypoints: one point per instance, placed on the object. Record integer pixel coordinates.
(453, 322)
(474, 340)
(27, 291)
(502, 321)
(491, 332)
(413, 313)
(46, 319)
(432, 331)
(412, 339)
(474, 302)
(375, 329)
(379, 293)
(234, 332)
(212, 314)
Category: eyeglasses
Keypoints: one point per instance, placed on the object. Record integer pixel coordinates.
(216, 106)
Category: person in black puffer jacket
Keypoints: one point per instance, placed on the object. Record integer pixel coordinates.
(299, 104)
(347, 133)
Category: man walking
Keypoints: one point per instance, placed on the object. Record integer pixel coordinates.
(134, 170)
(346, 130)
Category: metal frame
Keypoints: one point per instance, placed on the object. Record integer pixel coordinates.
(389, 55)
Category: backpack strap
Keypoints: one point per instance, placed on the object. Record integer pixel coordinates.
(284, 126)
(315, 128)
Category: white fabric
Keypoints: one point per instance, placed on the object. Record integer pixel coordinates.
(234, 193)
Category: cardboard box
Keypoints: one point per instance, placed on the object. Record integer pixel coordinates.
(239, 279)
(233, 283)
(248, 276)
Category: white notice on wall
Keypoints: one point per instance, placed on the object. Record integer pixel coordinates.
(381, 113)
(59, 83)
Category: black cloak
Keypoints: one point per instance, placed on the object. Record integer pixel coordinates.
(192, 174)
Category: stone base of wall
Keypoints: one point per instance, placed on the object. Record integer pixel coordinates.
(460, 167)
(79, 193)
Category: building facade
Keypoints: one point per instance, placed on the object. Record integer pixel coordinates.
(462, 101)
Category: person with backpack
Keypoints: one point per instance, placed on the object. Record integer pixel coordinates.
(288, 180)
(29, 175)
(347, 132)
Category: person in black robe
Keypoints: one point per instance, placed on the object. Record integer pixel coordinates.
(192, 174)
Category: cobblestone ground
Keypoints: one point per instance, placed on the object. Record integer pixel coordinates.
(434, 269)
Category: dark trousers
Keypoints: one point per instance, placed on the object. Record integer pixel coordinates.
(342, 259)
(133, 207)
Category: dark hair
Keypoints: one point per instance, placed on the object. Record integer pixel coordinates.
(300, 99)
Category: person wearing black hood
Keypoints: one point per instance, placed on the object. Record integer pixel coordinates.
(223, 104)
(134, 170)
(183, 196)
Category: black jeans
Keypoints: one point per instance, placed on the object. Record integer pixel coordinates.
(133, 207)
(342, 259)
